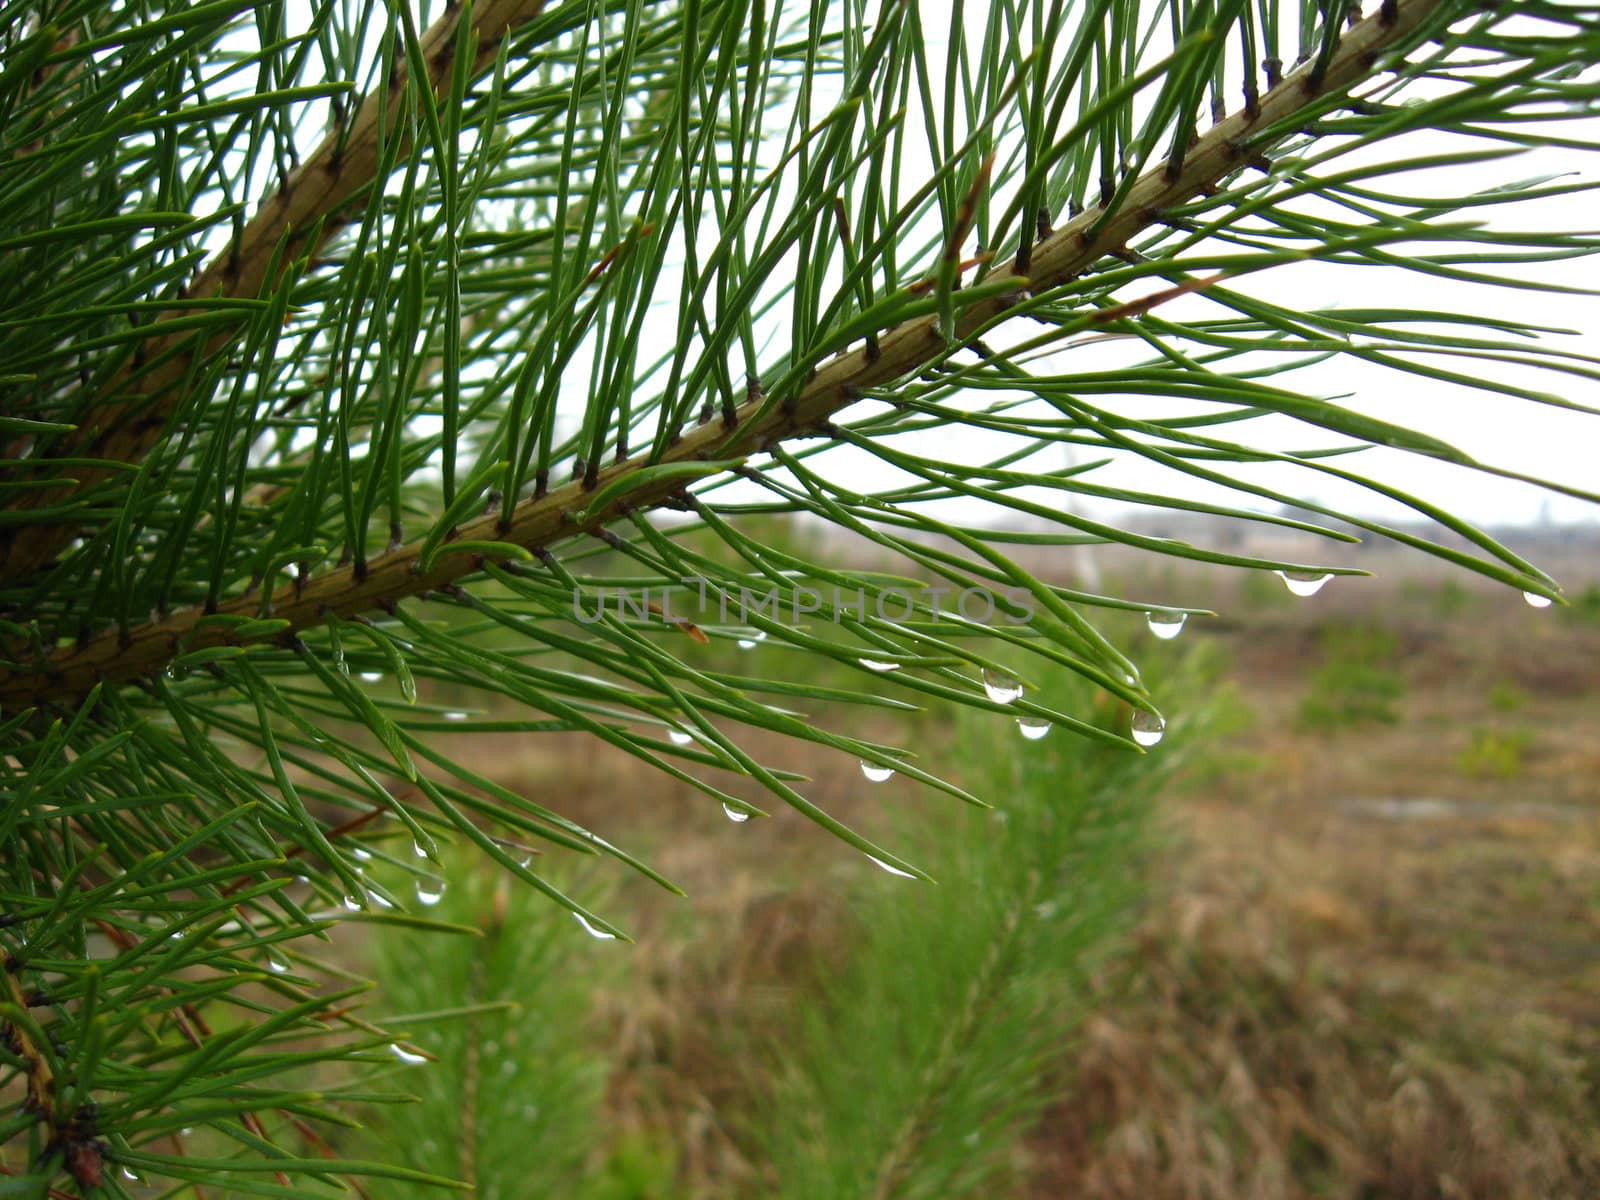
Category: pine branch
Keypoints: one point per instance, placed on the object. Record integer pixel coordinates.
(289, 229)
(67, 675)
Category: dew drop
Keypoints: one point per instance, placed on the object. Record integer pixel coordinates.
(361, 854)
(1033, 728)
(410, 1057)
(679, 737)
(1166, 626)
(892, 870)
(876, 772)
(129, 1174)
(430, 890)
(594, 931)
(873, 664)
(747, 644)
(418, 849)
(1148, 728)
(1537, 601)
(524, 861)
(381, 900)
(277, 963)
(1304, 583)
(1001, 687)
(455, 715)
(737, 815)
(371, 676)
(355, 903)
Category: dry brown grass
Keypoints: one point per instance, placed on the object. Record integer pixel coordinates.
(1366, 970)
(1332, 999)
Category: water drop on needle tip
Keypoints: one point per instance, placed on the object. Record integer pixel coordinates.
(1001, 686)
(430, 891)
(594, 931)
(892, 870)
(1148, 728)
(1304, 583)
(1166, 626)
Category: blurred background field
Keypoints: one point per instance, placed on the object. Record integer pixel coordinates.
(1338, 935)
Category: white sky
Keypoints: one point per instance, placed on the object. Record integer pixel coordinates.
(1511, 433)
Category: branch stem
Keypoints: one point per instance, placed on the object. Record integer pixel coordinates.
(536, 524)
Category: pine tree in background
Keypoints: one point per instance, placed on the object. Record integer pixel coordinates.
(344, 340)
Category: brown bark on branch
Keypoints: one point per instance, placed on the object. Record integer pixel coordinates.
(536, 524)
(312, 204)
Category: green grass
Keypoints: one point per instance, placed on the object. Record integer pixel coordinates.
(932, 1049)
(1356, 683)
(512, 1101)
(1493, 753)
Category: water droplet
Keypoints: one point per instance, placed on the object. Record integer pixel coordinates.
(524, 861)
(455, 714)
(371, 676)
(1304, 583)
(1166, 626)
(1001, 686)
(381, 900)
(1033, 728)
(355, 903)
(594, 931)
(737, 815)
(1045, 910)
(430, 890)
(130, 1176)
(1148, 728)
(1537, 601)
(679, 737)
(186, 1132)
(876, 772)
(276, 963)
(873, 664)
(361, 854)
(892, 870)
(419, 850)
(410, 1057)
(747, 644)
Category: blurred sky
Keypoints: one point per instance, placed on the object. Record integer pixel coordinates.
(1512, 433)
